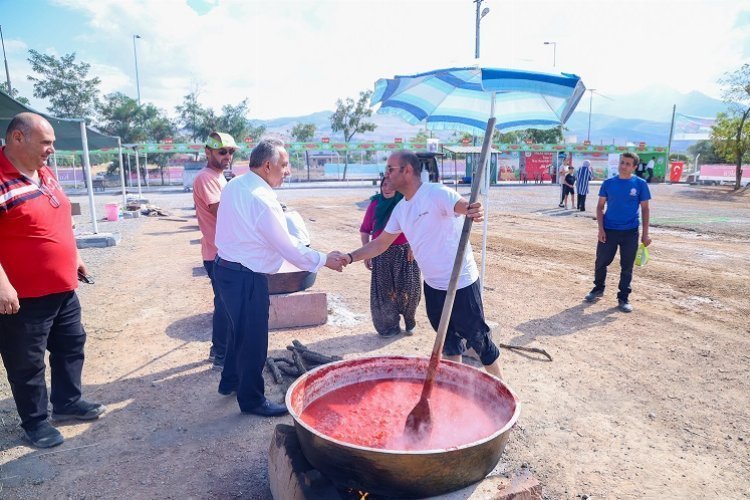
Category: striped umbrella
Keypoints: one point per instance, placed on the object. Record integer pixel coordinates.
(465, 98)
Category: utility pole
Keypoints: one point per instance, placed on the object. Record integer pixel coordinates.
(7, 73)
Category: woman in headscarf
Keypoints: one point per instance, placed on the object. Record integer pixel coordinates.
(582, 184)
(395, 288)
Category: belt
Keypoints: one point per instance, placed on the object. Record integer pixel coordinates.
(234, 266)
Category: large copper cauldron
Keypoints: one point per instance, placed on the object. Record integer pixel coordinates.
(400, 473)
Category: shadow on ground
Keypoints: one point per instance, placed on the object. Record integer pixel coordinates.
(566, 322)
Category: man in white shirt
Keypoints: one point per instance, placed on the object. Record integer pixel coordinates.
(650, 169)
(253, 241)
(429, 218)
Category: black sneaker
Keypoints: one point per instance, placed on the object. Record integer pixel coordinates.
(624, 306)
(43, 435)
(593, 295)
(80, 410)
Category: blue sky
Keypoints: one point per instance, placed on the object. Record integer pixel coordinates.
(293, 58)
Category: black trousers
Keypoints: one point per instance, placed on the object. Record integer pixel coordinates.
(582, 202)
(220, 321)
(51, 323)
(246, 301)
(466, 324)
(627, 242)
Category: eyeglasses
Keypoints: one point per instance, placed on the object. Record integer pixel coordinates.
(50, 196)
(224, 152)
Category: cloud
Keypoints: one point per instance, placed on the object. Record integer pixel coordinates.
(293, 57)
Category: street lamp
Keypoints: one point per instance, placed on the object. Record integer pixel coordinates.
(137, 81)
(480, 15)
(554, 52)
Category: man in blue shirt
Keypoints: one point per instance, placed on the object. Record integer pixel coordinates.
(623, 195)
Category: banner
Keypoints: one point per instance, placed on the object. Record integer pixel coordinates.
(538, 166)
(692, 128)
(507, 166)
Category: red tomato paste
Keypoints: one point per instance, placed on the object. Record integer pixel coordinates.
(373, 414)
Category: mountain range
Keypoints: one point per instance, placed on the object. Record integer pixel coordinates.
(643, 116)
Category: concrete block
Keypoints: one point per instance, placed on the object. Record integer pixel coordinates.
(100, 240)
(75, 208)
(290, 310)
(290, 475)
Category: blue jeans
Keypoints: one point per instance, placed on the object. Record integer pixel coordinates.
(52, 323)
(627, 242)
(246, 299)
(220, 319)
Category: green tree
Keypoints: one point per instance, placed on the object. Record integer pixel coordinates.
(707, 152)
(122, 116)
(730, 134)
(64, 82)
(422, 136)
(233, 120)
(303, 132)
(730, 137)
(350, 118)
(13, 93)
(536, 136)
(191, 115)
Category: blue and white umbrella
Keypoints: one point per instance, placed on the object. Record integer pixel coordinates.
(465, 98)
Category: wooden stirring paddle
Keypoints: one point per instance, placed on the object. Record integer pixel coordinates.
(419, 421)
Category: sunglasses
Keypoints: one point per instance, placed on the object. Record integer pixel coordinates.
(224, 152)
(50, 196)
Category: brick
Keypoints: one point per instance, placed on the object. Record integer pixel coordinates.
(290, 475)
(290, 310)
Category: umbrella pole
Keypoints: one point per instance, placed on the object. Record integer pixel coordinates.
(486, 204)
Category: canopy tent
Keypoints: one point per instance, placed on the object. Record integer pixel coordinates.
(70, 134)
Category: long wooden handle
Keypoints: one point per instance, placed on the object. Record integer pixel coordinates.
(450, 296)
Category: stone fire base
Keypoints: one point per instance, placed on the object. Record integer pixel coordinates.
(291, 477)
(290, 310)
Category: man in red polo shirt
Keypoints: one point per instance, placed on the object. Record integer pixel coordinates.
(39, 263)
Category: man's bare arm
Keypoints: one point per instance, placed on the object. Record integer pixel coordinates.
(374, 247)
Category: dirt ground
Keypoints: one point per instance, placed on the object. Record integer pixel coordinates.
(652, 404)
